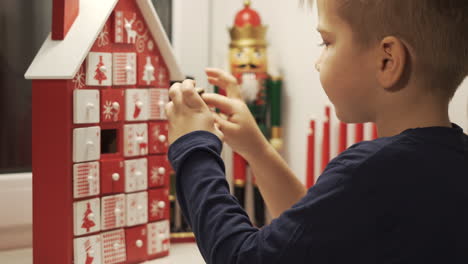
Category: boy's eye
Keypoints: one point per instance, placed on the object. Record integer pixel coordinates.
(324, 44)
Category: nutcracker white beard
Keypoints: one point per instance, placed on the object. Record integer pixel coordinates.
(249, 87)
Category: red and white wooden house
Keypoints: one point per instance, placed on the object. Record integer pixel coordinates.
(100, 169)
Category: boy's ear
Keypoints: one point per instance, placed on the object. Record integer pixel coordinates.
(392, 58)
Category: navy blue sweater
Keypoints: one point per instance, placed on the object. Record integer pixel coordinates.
(401, 199)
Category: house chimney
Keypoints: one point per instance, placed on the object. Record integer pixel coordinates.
(64, 13)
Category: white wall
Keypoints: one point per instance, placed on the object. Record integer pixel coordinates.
(294, 41)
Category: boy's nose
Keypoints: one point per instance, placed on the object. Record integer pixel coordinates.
(317, 66)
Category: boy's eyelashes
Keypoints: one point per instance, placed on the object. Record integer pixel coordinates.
(324, 43)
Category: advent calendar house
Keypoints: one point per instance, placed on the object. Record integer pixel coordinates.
(100, 169)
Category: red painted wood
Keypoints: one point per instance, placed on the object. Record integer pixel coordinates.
(53, 138)
(155, 178)
(155, 211)
(158, 137)
(52, 170)
(108, 169)
(311, 156)
(64, 13)
(136, 241)
(374, 131)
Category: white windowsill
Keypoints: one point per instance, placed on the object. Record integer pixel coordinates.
(16, 210)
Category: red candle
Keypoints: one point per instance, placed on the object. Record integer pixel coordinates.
(359, 136)
(310, 180)
(374, 131)
(343, 140)
(326, 139)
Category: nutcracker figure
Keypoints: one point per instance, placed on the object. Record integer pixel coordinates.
(260, 90)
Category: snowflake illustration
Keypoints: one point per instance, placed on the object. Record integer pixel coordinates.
(108, 113)
(155, 176)
(155, 209)
(103, 38)
(79, 79)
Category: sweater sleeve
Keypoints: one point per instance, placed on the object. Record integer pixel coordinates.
(222, 228)
(326, 219)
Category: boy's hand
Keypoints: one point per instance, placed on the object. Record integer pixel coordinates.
(240, 130)
(225, 81)
(187, 112)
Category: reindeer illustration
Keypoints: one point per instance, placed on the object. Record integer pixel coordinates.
(131, 34)
(143, 146)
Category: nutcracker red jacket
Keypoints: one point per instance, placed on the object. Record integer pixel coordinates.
(400, 199)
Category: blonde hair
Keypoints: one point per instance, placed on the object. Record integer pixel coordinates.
(435, 30)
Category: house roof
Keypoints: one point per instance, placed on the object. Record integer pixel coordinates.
(62, 59)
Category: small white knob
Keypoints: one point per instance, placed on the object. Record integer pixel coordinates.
(91, 253)
(161, 236)
(116, 105)
(116, 246)
(103, 68)
(139, 243)
(117, 210)
(128, 68)
(149, 68)
(138, 173)
(139, 104)
(128, 26)
(162, 138)
(139, 139)
(116, 176)
(91, 216)
(90, 177)
(89, 106)
(161, 204)
(161, 170)
(89, 143)
(161, 103)
(139, 207)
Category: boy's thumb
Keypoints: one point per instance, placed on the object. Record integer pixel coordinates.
(224, 125)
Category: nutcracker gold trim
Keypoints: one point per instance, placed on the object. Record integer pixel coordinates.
(182, 235)
(248, 36)
(276, 132)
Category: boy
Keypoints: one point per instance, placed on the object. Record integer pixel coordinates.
(399, 199)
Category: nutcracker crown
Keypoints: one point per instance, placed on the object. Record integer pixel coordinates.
(248, 29)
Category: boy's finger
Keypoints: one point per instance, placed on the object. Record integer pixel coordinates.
(168, 108)
(213, 72)
(223, 103)
(175, 94)
(190, 96)
(224, 125)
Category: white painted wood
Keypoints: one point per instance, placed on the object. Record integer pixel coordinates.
(80, 211)
(86, 106)
(62, 59)
(136, 175)
(104, 59)
(137, 208)
(159, 35)
(124, 68)
(87, 246)
(135, 140)
(86, 180)
(86, 144)
(137, 104)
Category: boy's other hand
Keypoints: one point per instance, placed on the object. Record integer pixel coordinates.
(239, 128)
(187, 112)
(225, 81)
